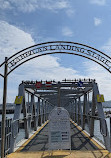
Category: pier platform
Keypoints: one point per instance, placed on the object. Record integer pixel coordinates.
(82, 146)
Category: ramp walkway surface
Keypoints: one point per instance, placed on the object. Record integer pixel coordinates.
(81, 146)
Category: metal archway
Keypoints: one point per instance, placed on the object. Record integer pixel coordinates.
(47, 48)
(54, 47)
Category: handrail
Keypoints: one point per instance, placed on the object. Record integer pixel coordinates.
(89, 115)
(101, 130)
(99, 118)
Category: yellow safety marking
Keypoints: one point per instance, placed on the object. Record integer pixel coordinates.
(62, 154)
(18, 100)
(24, 144)
(90, 138)
(100, 98)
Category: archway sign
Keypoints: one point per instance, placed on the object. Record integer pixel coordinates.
(54, 47)
(57, 47)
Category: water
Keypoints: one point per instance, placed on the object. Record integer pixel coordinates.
(107, 109)
(97, 133)
(10, 116)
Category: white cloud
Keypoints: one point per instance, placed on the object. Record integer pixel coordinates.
(30, 6)
(12, 39)
(48, 67)
(102, 76)
(66, 31)
(97, 21)
(59, 4)
(98, 2)
(70, 12)
(107, 47)
(5, 4)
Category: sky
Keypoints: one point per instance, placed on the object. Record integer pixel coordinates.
(24, 23)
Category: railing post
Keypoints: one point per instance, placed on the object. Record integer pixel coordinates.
(92, 118)
(79, 122)
(29, 112)
(75, 111)
(44, 110)
(59, 102)
(4, 110)
(70, 109)
(35, 115)
(48, 110)
(87, 110)
(84, 110)
(81, 113)
(39, 112)
(30, 102)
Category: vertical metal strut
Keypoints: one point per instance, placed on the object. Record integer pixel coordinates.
(4, 110)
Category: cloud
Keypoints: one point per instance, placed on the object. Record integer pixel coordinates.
(66, 31)
(46, 67)
(97, 21)
(103, 78)
(59, 4)
(98, 2)
(107, 47)
(70, 12)
(12, 40)
(30, 6)
(5, 4)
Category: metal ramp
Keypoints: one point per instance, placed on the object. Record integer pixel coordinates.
(81, 146)
(79, 97)
(78, 141)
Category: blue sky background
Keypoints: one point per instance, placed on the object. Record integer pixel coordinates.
(27, 22)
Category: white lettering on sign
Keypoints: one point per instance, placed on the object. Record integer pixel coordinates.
(59, 129)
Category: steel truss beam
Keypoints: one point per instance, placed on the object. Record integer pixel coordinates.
(66, 94)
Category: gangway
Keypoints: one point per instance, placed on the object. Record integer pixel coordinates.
(38, 98)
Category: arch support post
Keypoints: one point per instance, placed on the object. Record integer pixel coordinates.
(4, 110)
